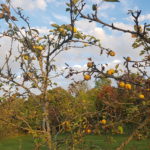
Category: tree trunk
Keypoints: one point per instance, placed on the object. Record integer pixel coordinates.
(37, 147)
(46, 127)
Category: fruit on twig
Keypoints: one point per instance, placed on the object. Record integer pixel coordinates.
(137, 28)
(110, 71)
(141, 96)
(103, 121)
(88, 131)
(74, 29)
(87, 77)
(128, 86)
(26, 57)
(38, 47)
(90, 64)
(121, 84)
(128, 59)
(111, 53)
(134, 35)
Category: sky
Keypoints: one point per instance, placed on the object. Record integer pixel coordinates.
(42, 13)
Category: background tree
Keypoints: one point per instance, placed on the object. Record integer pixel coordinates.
(99, 83)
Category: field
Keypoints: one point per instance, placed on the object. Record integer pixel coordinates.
(92, 142)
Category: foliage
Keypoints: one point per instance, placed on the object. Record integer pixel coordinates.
(102, 82)
(9, 124)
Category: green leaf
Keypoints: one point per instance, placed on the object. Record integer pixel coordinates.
(94, 7)
(68, 4)
(6, 18)
(78, 35)
(75, 1)
(142, 52)
(111, 0)
(1, 84)
(117, 66)
(55, 25)
(67, 9)
(55, 83)
(35, 30)
(136, 45)
(120, 129)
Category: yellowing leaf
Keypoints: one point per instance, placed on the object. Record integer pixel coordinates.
(1, 15)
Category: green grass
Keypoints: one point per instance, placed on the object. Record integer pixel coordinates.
(93, 142)
(111, 143)
(18, 143)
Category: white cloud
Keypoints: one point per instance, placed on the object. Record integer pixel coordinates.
(85, 26)
(106, 6)
(144, 17)
(103, 5)
(41, 4)
(61, 18)
(128, 5)
(123, 26)
(77, 66)
(42, 30)
(116, 61)
(31, 4)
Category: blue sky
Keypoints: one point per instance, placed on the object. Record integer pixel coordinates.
(42, 13)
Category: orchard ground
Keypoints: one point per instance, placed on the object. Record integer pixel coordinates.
(92, 142)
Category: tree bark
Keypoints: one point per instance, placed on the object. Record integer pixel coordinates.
(46, 126)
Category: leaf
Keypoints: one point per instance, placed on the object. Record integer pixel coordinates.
(120, 129)
(135, 45)
(75, 1)
(1, 84)
(94, 7)
(55, 25)
(117, 66)
(10, 25)
(5, 8)
(35, 30)
(142, 52)
(75, 11)
(14, 18)
(68, 4)
(111, 0)
(66, 64)
(1, 15)
(55, 83)
(67, 9)
(6, 18)
(78, 36)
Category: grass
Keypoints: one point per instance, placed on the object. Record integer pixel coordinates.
(18, 143)
(111, 143)
(92, 142)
